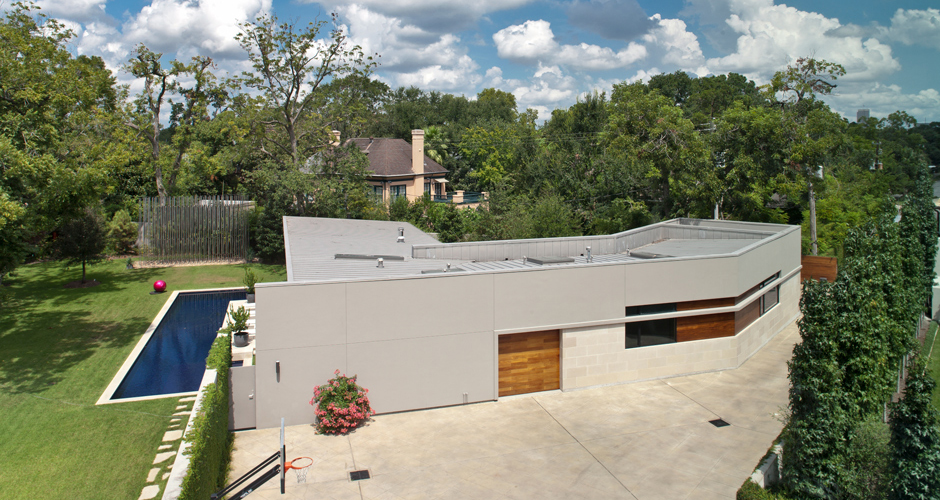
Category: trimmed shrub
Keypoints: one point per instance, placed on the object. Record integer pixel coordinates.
(211, 448)
(341, 405)
(752, 491)
(122, 233)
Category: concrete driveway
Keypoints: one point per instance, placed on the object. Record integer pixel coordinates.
(647, 440)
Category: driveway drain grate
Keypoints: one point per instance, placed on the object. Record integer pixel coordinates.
(359, 475)
(719, 423)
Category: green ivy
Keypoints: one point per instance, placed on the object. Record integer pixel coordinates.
(915, 440)
(855, 334)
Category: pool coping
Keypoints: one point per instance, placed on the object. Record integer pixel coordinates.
(132, 357)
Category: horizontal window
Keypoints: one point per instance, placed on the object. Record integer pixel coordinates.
(757, 288)
(650, 309)
(646, 333)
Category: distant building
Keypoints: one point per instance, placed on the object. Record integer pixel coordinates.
(862, 113)
(401, 169)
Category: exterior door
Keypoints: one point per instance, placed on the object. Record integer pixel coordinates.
(529, 362)
(241, 413)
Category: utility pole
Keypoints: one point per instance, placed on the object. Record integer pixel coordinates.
(812, 218)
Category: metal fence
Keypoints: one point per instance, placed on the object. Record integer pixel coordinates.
(194, 229)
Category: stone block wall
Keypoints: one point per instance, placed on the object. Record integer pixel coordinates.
(594, 356)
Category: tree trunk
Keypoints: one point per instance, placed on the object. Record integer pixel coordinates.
(155, 155)
(812, 218)
(83, 271)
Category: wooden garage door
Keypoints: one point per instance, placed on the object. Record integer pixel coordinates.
(529, 362)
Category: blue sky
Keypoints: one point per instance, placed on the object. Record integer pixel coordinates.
(547, 53)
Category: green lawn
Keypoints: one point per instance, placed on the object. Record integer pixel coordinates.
(59, 349)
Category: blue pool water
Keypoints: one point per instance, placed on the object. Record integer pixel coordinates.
(174, 358)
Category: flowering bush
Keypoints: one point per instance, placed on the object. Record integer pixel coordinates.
(341, 405)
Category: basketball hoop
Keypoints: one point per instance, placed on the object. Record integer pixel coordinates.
(300, 468)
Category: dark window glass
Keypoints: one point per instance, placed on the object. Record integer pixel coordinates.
(644, 333)
(770, 299)
(770, 280)
(650, 309)
(660, 331)
(633, 335)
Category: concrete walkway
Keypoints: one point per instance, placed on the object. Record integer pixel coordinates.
(647, 440)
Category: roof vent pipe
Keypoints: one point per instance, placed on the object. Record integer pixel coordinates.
(524, 259)
(381, 263)
(401, 235)
(448, 267)
(589, 257)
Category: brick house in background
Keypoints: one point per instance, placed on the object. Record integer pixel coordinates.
(402, 169)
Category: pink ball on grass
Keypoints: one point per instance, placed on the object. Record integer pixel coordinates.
(159, 286)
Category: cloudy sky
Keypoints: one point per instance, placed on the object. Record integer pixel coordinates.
(548, 52)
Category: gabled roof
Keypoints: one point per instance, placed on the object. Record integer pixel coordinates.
(392, 157)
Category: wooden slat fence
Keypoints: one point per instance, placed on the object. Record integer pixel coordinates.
(194, 229)
(815, 267)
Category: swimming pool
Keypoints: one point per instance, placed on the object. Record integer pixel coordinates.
(173, 359)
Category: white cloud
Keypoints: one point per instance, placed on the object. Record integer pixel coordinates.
(643, 75)
(411, 55)
(209, 26)
(916, 27)
(430, 15)
(494, 79)
(548, 88)
(533, 42)
(771, 36)
(80, 11)
(672, 44)
(910, 27)
(885, 99)
(460, 78)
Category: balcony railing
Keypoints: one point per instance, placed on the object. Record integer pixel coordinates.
(460, 197)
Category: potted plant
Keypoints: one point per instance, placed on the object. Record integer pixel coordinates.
(249, 280)
(237, 325)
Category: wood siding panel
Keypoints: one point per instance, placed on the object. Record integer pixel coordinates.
(705, 304)
(708, 326)
(815, 267)
(746, 316)
(529, 362)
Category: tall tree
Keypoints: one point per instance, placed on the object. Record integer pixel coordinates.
(648, 129)
(676, 86)
(158, 81)
(82, 239)
(353, 103)
(54, 110)
(805, 79)
(193, 105)
(289, 64)
(915, 439)
(798, 85)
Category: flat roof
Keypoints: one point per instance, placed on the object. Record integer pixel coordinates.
(321, 249)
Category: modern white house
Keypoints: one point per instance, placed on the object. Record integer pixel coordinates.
(426, 324)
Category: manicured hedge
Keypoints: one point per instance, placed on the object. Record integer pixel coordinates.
(752, 491)
(211, 440)
(855, 334)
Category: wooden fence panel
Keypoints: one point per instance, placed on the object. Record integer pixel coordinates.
(194, 229)
(815, 267)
